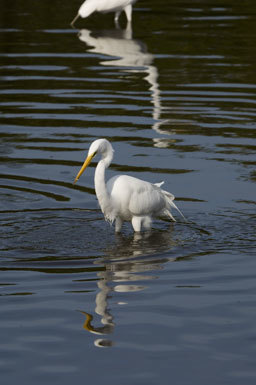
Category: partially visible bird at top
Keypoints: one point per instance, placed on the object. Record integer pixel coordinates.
(105, 6)
(125, 198)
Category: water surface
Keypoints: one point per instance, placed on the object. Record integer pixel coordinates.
(175, 94)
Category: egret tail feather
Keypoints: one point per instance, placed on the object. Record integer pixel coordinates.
(159, 184)
(170, 198)
(174, 205)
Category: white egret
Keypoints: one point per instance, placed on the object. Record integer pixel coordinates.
(105, 6)
(125, 198)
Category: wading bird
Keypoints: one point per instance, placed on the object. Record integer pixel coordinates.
(105, 6)
(125, 198)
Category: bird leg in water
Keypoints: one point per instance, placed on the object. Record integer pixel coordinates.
(147, 222)
(118, 224)
(128, 12)
(74, 20)
(136, 223)
(117, 14)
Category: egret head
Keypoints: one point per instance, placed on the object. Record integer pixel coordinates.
(101, 146)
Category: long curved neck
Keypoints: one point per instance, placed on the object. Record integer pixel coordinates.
(101, 188)
(99, 181)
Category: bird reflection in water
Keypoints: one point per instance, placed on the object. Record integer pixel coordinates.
(127, 263)
(131, 55)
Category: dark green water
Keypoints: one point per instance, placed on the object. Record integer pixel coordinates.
(176, 97)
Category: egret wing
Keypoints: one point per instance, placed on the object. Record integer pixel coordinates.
(147, 199)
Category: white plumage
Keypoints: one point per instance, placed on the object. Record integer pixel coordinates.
(105, 6)
(125, 198)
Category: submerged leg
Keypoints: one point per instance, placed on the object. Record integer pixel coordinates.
(118, 224)
(136, 223)
(117, 14)
(147, 221)
(128, 12)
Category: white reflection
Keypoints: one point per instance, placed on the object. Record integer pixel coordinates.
(131, 54)
(123, 272)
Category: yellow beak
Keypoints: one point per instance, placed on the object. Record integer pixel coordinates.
(86, 163)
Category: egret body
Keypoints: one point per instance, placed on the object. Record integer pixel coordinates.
(125, 198)
(105, 6)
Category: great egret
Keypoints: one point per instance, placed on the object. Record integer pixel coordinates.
(105, 6)
(125, 198)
